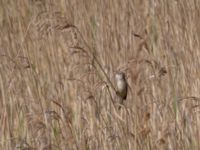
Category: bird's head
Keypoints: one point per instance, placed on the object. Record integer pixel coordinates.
(120, 76)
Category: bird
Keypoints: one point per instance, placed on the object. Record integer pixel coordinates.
(122, 87)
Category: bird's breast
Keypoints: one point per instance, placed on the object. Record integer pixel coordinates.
(121, 85)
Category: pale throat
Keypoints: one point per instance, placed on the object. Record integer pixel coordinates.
(121, 85)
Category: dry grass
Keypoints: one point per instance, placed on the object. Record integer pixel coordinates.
(57, 63)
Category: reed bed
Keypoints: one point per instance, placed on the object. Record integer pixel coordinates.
(57, 65)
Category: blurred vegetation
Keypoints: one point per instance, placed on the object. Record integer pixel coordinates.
(57, 66)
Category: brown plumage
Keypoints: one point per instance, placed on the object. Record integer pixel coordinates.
(122, 87)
